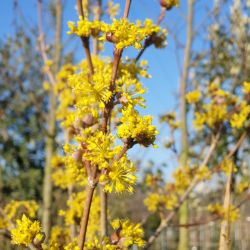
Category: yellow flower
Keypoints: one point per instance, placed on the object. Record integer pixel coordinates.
(14, 208)
(238, 119)
(120, 177)
(85, 28)
(226, 166)
(136, 127)
(246, 88)
(26, 232)
(100, 149)
(152, 201)
(124, 33)
(242, 186)
(199, 120)
(193, 97)
(169, 4)
(73, 212)
(221, 211)
(130, 233)
(113, 9)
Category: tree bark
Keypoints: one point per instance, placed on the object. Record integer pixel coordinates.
(225, 224)
(51, 122)
(183, 215)
(104, 212)
(97, 16)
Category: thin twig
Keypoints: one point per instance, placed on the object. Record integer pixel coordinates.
(80, 8)
(85, 40)
(42, 44)
(193, 184)
(214, 218)
(148, 41)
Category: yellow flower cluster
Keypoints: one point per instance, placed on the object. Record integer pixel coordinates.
(26, 232)
(67, 170)
(113, 9)
(239, 118)
(242, 186)
(120, 177)
(156, 201)
(80, 95)
(65, 95)
(137, 128)
(99, 149)
(129, 233)
(169, 4)
(226, 166)
(74, 212)
(3, 222)
(193, 96)
(167, 198)
(85, 28)
(221, 107)
(221, 211)
(15, 208)
(124, 33)
(170, 118)
(203, 173)
(246, 88)
(72, 246)
(121, 32)
(59, 237)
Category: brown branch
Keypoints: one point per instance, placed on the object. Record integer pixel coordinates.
(117, 58)
(106, 118)
(85, 217)
(85, 40)
(164, 222)
(214, 218)
(42, 44)
(127, 7)
(193, 184)
(148, 42)
(80, 8)
(5, 233)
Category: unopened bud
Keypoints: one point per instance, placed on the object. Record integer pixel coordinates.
(39, 239)
(110, 37)
(123, 100)
(77, 156)
(88, 120)
(168, 4)
(95, 127)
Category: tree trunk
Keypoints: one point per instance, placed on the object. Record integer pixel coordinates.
(104, 212)
(51, 121)
(225, 224)
(183, 219)
(97, 16)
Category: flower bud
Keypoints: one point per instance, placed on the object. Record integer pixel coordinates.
(39, 239)
(123, 100)
(88, 120)
(110, 37)
(169, 4)
(95, 127)
(77, 156)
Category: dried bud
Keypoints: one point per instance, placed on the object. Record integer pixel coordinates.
(110, 37)
(123, 100)
(88, 120)
(77, 156)
(115, 236)
(168, 4)
(39, 240)
(95, 127)
(78, 123)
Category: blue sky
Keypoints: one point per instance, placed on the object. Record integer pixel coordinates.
(162, 88)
